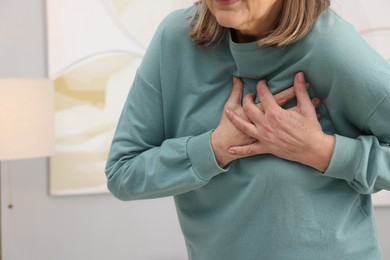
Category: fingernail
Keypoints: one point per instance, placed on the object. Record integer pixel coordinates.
(263, 84)
(317, 100)
(301, 77)
(231, 151)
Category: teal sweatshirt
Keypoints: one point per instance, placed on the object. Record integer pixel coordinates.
(261, 207)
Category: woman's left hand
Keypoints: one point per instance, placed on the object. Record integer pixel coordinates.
(294, 134)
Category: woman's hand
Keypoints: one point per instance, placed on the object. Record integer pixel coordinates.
(227, 134)
(293, 134)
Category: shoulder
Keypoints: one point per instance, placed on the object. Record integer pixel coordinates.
(344, 69)
(173, 30)
(332, 32)
(338, 49)
(337, 40)
(177, 22)
(171, 42)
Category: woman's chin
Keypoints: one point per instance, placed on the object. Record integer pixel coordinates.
(226, 22)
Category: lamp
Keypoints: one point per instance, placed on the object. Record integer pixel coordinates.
(26, 121)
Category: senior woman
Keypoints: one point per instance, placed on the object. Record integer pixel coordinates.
(256, 174)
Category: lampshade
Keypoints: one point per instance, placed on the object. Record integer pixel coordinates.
(26, 118)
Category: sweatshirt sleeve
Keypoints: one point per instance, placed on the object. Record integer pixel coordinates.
(357, 80)
(364, 162)
(142, 162)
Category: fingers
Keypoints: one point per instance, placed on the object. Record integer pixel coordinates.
(236, 93)
(303, 98)
(280, 98)
(246, 127)
(266, 97)
(247, 150)
(252, 111)
(285, 96)
(270, 101)
(316, 102)
(249, 99)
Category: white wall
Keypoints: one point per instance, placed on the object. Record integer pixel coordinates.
(41, 227)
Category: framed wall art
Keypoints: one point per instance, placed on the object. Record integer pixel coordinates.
(94, 49)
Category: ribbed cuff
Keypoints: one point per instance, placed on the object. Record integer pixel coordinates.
(202, 157)
(346, 159)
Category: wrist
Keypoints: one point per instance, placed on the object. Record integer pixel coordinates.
(321, 154)
(220, 150)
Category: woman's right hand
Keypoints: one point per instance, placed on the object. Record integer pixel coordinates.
(227, 135)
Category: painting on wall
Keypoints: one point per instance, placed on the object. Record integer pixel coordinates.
(95, 48)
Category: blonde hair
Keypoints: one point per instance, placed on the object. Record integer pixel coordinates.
(296, 20)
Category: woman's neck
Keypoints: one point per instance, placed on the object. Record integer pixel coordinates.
(261, 27)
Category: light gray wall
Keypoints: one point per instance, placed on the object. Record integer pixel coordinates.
(22, 38)
(41, 227)
(383, 221)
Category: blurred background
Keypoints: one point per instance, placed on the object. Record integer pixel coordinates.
(90, 49)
